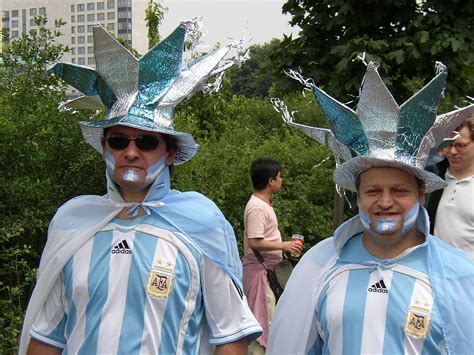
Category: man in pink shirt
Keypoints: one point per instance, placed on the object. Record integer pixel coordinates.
(262, 235)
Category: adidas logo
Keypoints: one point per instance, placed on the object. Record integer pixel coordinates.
(378, 287)
(121, 248)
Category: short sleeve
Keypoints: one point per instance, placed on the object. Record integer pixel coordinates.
(49, 327)
(228, 315)
(256, 221)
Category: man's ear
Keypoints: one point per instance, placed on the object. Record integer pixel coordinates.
(170, 159)
(421, 194)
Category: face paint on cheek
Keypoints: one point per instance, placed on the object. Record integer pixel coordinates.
(109, 163)
(410, 218)
(154, 170)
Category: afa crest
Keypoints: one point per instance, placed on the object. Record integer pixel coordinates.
(418, 322)
(160, 280)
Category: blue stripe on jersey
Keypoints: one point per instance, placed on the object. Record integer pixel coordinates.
(400, 294)
(354, 310)
(72, 314)
(175, 308)
(434, 337)
(133, 320)
(194, 326)
(322, 318)
(97, 289)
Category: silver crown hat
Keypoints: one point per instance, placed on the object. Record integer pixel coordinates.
(380, 133)
(141, 93)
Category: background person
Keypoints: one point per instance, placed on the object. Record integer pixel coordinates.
(143, 269)
(451, 210)
(262, 235)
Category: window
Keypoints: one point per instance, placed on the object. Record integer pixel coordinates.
(15, 23)
(42, 11)
(90, 39)
(81, 50)
(73, 40)
(73, 60)
(33, 12)
(90, 50)
(15, 34)
(81, 29)
(90, 18)
(32, 22)
(81, 40)
(110, 4)
(34, 31)
(111, 26)
(90, 6)
(73, 29)
(110, 15)
(73, 19)
(73, 8)
(80, 18)
(89, 28)
(73, 51)
(90, 61)
(101, 17)
(14, 13)
(80, 7)
(81, 61)
(100, 5)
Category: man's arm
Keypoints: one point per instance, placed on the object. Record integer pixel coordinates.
(238, 347)
(261, 244)
(38, 348)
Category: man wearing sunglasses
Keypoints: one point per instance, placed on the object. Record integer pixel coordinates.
(144, 269)
(452, 209)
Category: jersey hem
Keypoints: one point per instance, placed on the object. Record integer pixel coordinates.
(46, 340)
(252, 333)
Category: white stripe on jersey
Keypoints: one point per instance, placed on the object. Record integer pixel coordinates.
(422, 294)
(375, 313)
(113, 311)
(334, 313)
(80, 296)
(194, 286)
(155, 308)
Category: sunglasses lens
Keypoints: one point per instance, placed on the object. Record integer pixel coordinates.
(147, 142)
(118, 142)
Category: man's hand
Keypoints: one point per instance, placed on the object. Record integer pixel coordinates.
(292, 248)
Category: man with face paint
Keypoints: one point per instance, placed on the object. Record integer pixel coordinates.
(143, 269)
(382, 284)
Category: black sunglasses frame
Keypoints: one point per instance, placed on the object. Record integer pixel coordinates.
(144, 142)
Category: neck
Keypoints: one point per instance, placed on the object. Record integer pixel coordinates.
(264, 195)
(462, 173)
(391, 246)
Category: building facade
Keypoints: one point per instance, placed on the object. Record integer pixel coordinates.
(124, 18)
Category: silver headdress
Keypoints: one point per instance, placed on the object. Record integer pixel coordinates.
(141, 93)
(380, 133)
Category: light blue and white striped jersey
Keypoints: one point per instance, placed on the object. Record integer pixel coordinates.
(370, 306)
(137, 289)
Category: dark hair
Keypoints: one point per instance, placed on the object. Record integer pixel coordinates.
(469, 125)
(263, 169)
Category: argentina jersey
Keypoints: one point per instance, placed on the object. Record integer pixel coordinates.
(373, 306)
(134, 289)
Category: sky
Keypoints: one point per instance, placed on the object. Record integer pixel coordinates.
(261, 20)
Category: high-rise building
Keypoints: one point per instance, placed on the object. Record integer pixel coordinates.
(124, 18)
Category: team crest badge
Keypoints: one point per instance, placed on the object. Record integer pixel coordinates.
(160, 280)
(418, 321)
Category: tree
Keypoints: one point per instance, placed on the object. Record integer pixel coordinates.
(405, 37)
(154, 14)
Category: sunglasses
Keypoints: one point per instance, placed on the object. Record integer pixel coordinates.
(145, 143)
(460, 146)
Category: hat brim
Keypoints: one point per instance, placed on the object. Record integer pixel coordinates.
(346, 174)
(93, 133)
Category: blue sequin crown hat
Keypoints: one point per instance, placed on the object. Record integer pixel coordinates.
(141, 93)
(380, 133)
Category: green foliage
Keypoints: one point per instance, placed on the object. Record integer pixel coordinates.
(232, 131)
(405, 37)
(43, 162)
(154, 15)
